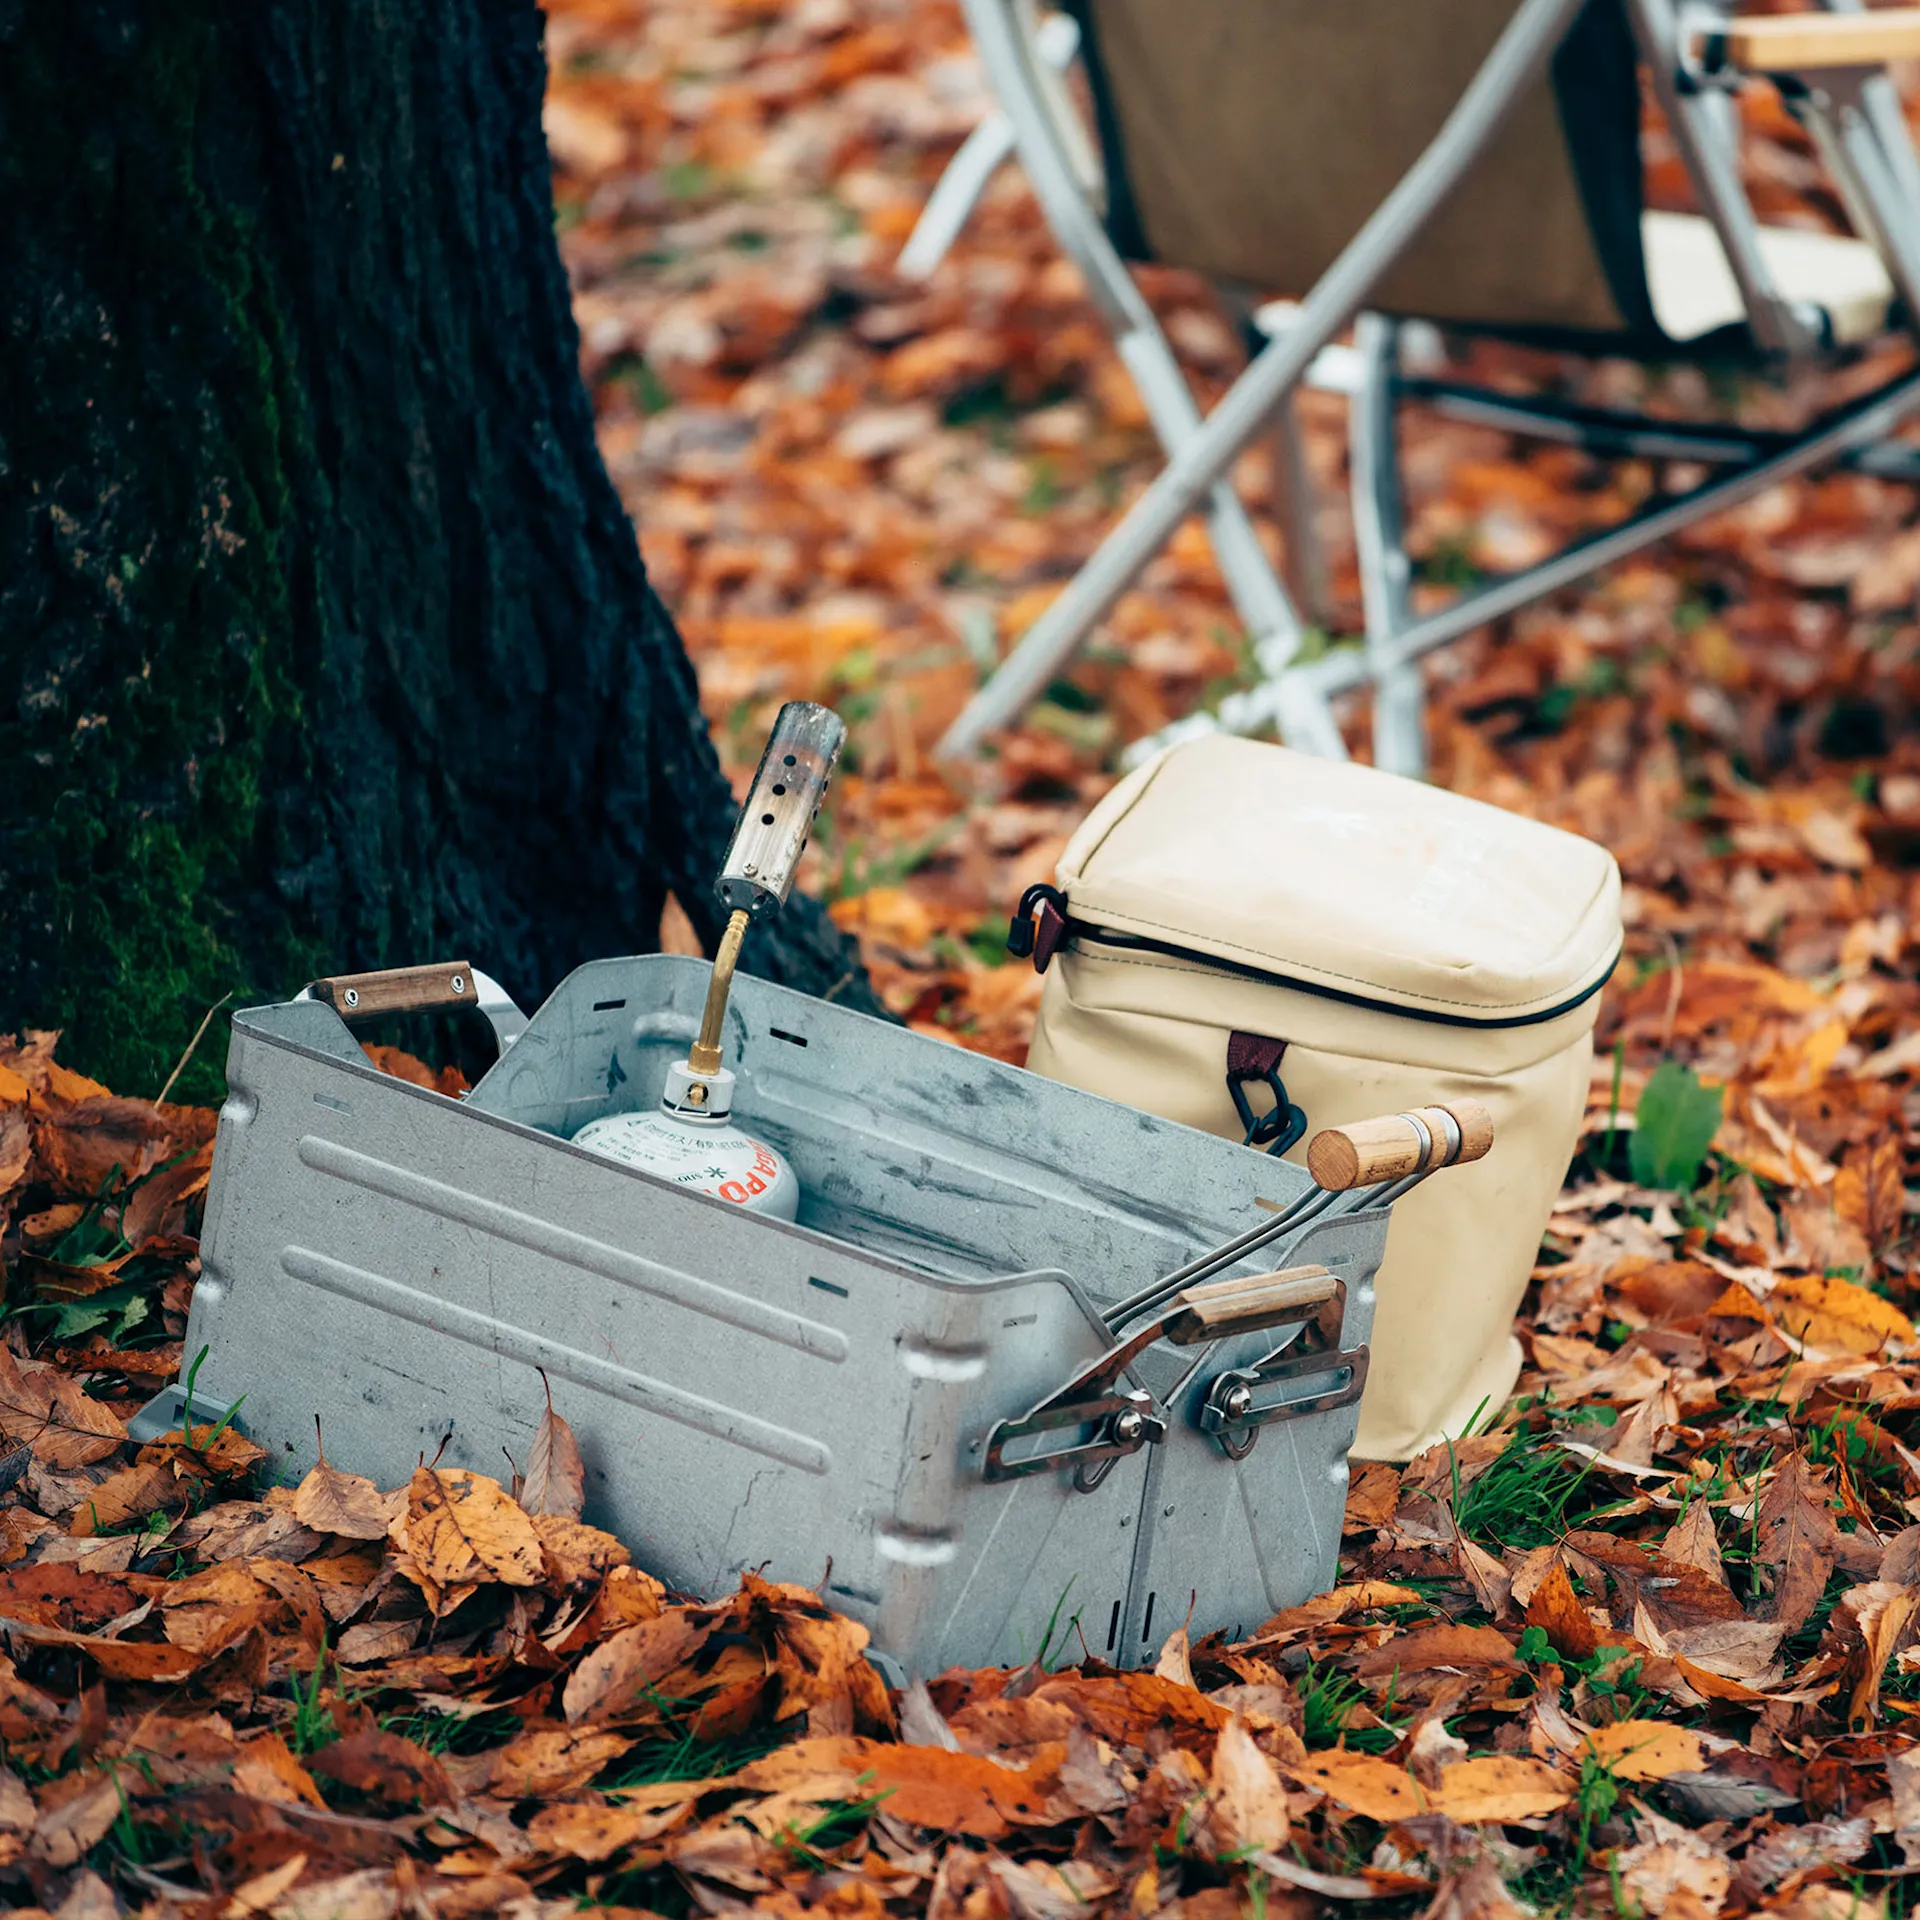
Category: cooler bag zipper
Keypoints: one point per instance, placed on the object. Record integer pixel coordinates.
(1043, 921)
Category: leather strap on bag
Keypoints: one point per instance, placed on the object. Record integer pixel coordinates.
(1254, 1057)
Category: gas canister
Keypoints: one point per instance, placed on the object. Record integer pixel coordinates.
(689, 1139)
(699, 1149)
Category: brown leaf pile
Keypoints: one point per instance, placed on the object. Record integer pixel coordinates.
(1649, 1645)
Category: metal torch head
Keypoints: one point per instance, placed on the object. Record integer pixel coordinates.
(778, 814)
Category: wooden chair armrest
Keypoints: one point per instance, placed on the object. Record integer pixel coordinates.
(1798, 42)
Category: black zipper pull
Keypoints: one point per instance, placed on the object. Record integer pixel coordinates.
(1038, 926)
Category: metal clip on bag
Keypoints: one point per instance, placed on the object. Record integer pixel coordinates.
(1253, 941)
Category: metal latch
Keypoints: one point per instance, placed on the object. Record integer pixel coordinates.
(1124, 1419)
(1313, 1375)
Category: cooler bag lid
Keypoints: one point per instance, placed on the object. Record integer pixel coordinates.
(1347, 881)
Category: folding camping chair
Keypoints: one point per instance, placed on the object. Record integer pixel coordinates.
(1470, 163)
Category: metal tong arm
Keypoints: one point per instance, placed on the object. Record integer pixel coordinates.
(1125, 1418)
(1394, 1152)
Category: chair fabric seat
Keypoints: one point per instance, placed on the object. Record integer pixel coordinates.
(1545, 238)
(1694, 293)
(1693, 290)
(1251, 139)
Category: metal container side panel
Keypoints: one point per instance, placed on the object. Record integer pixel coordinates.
(231, 1179)
(399, 1267)
(903, 1144)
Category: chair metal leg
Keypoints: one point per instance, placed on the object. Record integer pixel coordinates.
(958, 190)
(1705, 127)
(1302, 711)
(1295, 500)
(1880, 101)
(1613, 434)
(1847, 429)
(1399, 733)
(1835, 107)
(1009, 56)
(1523, 49)
(954, 196)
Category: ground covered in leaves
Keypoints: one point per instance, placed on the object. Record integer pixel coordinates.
(1647, 1645)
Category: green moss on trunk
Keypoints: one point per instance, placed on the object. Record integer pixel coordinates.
(143, 536)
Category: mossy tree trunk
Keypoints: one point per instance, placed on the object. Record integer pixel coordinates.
(327, 643)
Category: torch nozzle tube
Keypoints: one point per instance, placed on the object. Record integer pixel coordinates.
(704, 1055)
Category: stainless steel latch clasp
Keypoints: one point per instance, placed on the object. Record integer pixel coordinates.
(1112, 1421)
(1314, 1374)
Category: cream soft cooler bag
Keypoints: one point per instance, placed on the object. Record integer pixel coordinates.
(1258, 942)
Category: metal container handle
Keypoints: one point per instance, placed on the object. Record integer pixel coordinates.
(1314, 1375)
(1382, 1159)
(446, 985)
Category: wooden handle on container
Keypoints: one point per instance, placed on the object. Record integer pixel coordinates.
(358, 996)
(1391, 1147)
(1249, 1304)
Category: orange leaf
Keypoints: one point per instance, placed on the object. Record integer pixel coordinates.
(925, 1786)
(576, 1553)
(385, 1766)
(1646, 1749)
(621, 1670)
(1448, 1646)
(553, 1760)
(1713, 1686)
(1738, 1303)
(1370, 1786)
(16, 1148)
(1248, 1803)
(344, 1504)
(1837, 1316)
(462, 1528)
(131, 1494)
(159, 1204)
(1324, 1608)
(1557, 1611)
(267, 1770)
(1869, 1191)
(84, 1146)
(1501, 1787)
(556, 1479)
(592, 1832)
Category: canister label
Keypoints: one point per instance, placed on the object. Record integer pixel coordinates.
(715, 1159)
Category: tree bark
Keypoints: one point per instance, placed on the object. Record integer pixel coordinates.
(327, 642)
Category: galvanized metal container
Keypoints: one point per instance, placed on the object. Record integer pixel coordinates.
(824, 1399)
